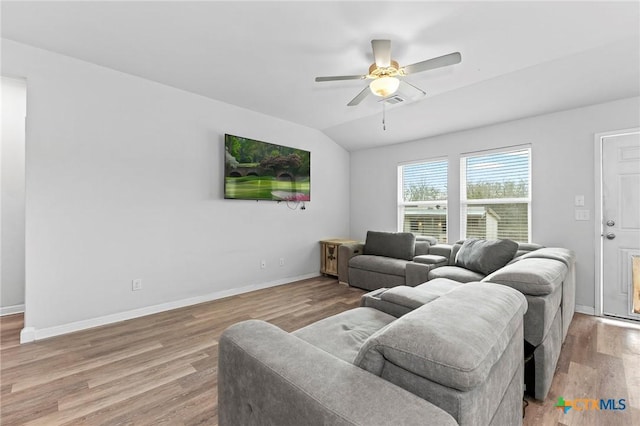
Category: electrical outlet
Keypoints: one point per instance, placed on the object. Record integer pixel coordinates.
(282, 261)
(136, 284)
(263, 264)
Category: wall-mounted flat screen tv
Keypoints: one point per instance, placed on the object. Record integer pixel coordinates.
(256, 170)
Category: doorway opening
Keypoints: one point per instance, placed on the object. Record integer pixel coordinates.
(12, 195)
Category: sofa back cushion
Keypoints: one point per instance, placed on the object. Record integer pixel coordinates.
(563, 255)
(534, 276)
(454, 252)
(524, 248)
(400, 245)
(437, 343)
(485, 256)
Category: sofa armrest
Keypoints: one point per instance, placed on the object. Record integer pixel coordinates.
(409, 297)
(374, 300)
(345, 253)
(568, 258)
(417, 273)
(441, 250)
(531, 276)
(402, 299)
(268, 376)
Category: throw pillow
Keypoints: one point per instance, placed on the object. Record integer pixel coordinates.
(485, 256)
(399, 245)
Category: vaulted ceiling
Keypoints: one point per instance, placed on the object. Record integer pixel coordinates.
(518, 58)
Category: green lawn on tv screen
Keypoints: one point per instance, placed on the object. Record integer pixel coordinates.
(261, 187)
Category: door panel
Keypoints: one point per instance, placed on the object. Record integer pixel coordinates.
(621, 223)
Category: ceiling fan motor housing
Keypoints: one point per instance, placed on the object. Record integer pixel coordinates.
(391, 71)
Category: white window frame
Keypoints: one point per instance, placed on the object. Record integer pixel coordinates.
(464, 203)
(402, 204)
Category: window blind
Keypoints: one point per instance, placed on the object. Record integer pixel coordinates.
(422, 209)
(495, 195)
(498, 175)
(425, 181)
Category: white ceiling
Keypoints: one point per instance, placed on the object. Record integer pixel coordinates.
(518, 58)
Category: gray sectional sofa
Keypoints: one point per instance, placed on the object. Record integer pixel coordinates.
(388, 259)
(471, 259)
(545, 276)
(431, 366)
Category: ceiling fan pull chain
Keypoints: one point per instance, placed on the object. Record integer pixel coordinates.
(384, 125)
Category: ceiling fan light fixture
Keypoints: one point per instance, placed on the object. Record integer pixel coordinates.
(384, 86)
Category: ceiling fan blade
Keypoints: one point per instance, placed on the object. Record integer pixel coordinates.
(360, 97)
(429, 64)
(381, 52)
(404, 84)
(341, 77)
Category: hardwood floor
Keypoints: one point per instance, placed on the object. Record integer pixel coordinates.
(599, 360)
(162, 369)
(158, 369)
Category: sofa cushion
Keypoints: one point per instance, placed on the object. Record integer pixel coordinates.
(343, 334)
(383, 265)
(414, 297)
(485, 256)
(399, 245)
(423, 243)
(455, 273)
(563, 255)
(454, 253)
(533, 276)
(443, 250)
(524, 248)
(430, 259)
(438, 343)
(439, 286)
(409, 297)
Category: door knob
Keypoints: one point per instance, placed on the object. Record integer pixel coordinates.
(611, 236)
(610, 223)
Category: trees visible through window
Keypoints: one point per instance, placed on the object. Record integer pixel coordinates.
(495, 195)
(422, 204)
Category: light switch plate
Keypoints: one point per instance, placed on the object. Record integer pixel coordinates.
(579, 201)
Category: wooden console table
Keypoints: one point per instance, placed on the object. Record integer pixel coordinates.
(329, 255)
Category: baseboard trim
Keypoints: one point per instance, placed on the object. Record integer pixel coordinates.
(30, 334)
(10, 310)
(27, 334)
(588, 310)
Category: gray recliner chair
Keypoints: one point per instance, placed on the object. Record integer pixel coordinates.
(383, 260)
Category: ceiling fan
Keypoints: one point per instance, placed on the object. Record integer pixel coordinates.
(384, 72)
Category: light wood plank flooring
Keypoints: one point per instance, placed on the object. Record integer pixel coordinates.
(599, 359)
(161, 369)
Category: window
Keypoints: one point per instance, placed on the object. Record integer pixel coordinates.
(495, 195)
(422, 201)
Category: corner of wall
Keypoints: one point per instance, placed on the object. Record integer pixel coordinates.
(27, 335)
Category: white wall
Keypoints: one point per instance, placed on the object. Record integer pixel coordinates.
(14, 109)
(562, 167)
(124, 181)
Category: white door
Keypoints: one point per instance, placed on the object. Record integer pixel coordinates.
(621, 225)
